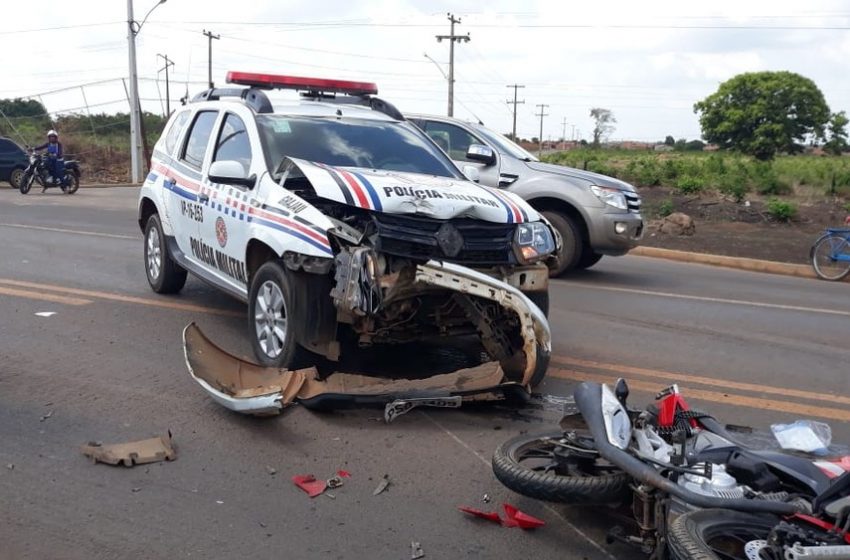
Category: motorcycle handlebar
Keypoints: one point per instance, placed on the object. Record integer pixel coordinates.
(588, 398)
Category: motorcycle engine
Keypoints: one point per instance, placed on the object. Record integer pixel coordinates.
(720, 485)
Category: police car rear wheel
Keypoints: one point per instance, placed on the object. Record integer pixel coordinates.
(272, 326)
(164, 275)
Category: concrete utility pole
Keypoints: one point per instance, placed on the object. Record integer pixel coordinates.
(564, 134)
(541, 114)
(168, 62)
(515, 103)
(210, 38)
(452, 39)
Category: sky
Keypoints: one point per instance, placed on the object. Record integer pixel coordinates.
(648, 62)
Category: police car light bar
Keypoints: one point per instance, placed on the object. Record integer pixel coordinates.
(301, 83)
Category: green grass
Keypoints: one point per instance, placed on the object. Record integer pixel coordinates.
(730, 174)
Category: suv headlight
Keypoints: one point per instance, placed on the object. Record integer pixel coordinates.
(610, 196)
(533, 241)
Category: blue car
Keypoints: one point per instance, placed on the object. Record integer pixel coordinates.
(13, 161)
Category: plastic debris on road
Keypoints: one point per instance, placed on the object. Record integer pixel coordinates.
(803, 435)
(383, 485)
(309, 484)
(132, 453)
(45, 314)
(416, 551)
(513, 517)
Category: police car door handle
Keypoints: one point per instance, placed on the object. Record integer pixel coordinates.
(203, 197)
(254, 202)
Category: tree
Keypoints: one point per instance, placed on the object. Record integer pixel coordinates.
(836, 133)
(603, 124)
(669, 141)
(763, 113)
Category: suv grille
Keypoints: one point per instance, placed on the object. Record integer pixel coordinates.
(416, 237)
(633, 202)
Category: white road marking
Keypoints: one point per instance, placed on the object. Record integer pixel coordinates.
(74, 231)
(715, 300)
(45, 314)
(551, 510)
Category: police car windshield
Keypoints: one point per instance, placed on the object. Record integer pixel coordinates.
(384, 145)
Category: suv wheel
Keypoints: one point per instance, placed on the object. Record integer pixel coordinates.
(15, 177)
(272, 325)
(588, 259)
(164, 275)
(571, 243)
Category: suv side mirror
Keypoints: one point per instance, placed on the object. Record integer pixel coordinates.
(230, 172)
(482, 153)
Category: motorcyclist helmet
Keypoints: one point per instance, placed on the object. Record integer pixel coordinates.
(52, 134)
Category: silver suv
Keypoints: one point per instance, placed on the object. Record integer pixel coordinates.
(595, 215)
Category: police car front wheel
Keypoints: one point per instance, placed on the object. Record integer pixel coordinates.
(164, 275)
(269, 312)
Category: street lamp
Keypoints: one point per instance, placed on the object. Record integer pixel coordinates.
(133, 29)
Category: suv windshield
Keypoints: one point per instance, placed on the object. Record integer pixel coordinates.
(503, 144)
(389, 146)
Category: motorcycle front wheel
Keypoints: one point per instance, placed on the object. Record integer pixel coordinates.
(553, 468)
(26, 182)
(718, 534)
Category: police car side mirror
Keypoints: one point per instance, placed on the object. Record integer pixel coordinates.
(482, 153)
(471, 173)
(229, 172)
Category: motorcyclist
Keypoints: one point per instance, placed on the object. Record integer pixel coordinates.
(55, 163)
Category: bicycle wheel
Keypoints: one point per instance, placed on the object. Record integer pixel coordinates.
(831, 257)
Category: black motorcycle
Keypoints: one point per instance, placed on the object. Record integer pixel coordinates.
(39, 172)
(693, 489)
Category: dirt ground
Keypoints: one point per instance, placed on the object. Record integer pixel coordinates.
(724, 227)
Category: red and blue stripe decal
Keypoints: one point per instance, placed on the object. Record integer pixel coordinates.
(355, 188)
(516, 214)
(276, 221)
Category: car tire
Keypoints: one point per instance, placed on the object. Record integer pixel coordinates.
(272, 327)
(572, 243)
(15, 177)
(164, 275)
(588, 259)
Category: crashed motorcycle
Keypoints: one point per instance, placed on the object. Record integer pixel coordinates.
(694, 490)
(38, 171)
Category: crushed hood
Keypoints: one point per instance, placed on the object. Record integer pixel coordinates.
(397, 192)
(591, 177)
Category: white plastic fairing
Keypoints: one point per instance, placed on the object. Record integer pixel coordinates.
(617, 423)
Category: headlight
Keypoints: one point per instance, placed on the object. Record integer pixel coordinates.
(533, 241)
(611, 197)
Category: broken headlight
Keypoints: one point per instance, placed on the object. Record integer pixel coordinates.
(610, 196)
(533, 241)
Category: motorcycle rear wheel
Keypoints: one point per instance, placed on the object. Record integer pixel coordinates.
(73, 184)
(716, 534)
(540, 466)
(26, 182)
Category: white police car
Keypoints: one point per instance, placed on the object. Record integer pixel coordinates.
(340, 225)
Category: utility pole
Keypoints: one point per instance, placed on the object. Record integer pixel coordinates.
(210, 38)
(452, 39)
(541, 114)
(135, 159)
(168, 62)
(564, 134)
(515, 103)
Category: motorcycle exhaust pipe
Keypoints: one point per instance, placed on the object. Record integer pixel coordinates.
(588, 397)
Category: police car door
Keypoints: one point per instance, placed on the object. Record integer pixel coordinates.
(224, 229)
(186, 206)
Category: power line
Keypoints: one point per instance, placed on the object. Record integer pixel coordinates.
(59, 28)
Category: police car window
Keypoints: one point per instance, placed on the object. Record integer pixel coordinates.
(385, 145)
(175, 130)
(199, 136)
(454, 140)
(233, 142)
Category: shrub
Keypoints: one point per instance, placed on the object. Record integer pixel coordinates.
(665, 207)
(690, 184)
(766, 180)
(781, 210)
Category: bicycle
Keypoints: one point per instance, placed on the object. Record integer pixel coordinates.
(830, 254)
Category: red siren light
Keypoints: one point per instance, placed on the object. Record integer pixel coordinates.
(271, 81)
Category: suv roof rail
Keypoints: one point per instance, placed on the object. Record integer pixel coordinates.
(253, 98)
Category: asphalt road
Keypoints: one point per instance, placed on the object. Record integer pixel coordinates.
(108, 366)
